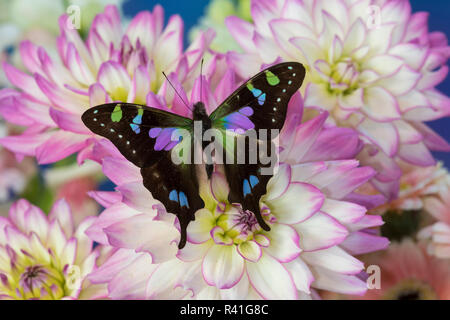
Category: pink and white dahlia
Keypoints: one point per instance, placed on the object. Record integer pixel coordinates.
(317, 224)
(438, 234)
(372, 64)
(46, 257)
(417, 186)
(110, 65)
(408, 272)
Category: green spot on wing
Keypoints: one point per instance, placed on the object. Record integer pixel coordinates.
(116, 115)
(250, 86)
(272, 79)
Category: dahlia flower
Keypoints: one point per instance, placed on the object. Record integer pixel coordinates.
(13, 175)
(111, 65)
(378, 79)
(438, 234)
(317, 224)
(216, 12)
(20, 21)
(46, 257)
(417, 186)
(409, 273)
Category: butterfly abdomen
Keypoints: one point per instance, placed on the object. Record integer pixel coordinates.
(199, 114)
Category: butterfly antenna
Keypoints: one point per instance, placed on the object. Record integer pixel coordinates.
(178, 94)
(201, 81)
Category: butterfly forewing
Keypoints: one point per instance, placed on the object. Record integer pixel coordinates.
(261, 102)
(128, 126)
(143, 136)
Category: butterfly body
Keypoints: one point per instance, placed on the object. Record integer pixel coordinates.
(145, 136)
(200, 115)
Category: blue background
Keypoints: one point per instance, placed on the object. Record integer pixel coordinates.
(192, 10)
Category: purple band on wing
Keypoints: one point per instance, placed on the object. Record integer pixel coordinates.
(154, 132)
(164, 138)
(237, 120)
(246, 111)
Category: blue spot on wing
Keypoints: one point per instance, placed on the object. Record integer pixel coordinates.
(253, 181)
(136, 122)
(247, 189)
(260, 95)
(183, 200)
(262, 99)
(179, 197)
(173, 195)
(135, 128)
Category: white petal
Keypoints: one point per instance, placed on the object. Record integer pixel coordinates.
(320, 231)
(298, 203)
(271, 279)
(222, 266)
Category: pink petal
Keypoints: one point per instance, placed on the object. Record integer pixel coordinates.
(242, 32)
(170, 44)
(68, 121)
(25, 82)
(60, 145)
(25, 144)
(105, 198)
(343, 211)
(334, 144)
(362, 243)
(114, 78)
(342, 261)
(61, 97)
(349, 182)
(417, 154)
(138, 197)
(113, 214)
(120, 171)
(337, 282)
(319, 232)
(144, 234)
(122, 286)
(383, 134)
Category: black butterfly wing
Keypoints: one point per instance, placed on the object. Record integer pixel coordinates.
(144, 136)
(260, 103)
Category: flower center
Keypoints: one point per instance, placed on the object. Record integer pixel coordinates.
(33, 276)
(343, 77)
(246, 220)
(28, 280)
(237, 226)
(411, 289)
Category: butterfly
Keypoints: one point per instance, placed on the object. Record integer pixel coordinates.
(144, 136)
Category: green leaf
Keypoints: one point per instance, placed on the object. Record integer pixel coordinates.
(400, 225)
(38, 194)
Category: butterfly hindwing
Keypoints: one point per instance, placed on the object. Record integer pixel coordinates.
(143, 136)
(178, 185)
